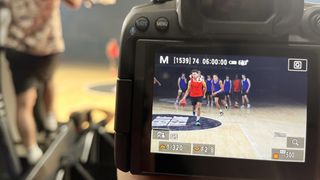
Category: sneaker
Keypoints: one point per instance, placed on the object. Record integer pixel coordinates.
(198, 123)
(248, 106)
(50, 123)
(242, 106)
(194, 113)
(221, 112)
(34, 154)
(226, 107)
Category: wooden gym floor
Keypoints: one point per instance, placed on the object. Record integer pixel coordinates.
(244, 133)
(72, 82)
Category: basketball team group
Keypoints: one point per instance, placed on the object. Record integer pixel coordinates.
(216, 91)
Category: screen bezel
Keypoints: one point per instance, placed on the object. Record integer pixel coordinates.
(143, 161)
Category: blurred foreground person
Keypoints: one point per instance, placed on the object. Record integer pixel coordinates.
(34, 41)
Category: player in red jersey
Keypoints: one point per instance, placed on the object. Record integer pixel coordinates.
(196, 90)
(236, 90)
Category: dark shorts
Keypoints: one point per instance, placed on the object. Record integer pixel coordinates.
(30, 71)
(227, 93)
(243, 93)
(208, 93)
(195, 100)
(219, 95)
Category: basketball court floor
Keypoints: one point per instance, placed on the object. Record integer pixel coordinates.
(81, 86)
(241, 133)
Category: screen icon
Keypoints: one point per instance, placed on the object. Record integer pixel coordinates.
(287, 154)
(204, 149)
(161, 134)
(295, 142)
(298, 65)
(275, 156)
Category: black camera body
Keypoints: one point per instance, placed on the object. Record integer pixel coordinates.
(275, 43)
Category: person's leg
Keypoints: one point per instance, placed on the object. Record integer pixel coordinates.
(193, 103)
(25, 119)
(247, 101)
(178, 97)
(229, 99)
(26, 124)
(23, 68)
(224, 100)
(198, 109)
(216, 101)
(235, 99)
(208, 99)
(48, 98)
(243, 101)
(46, 67)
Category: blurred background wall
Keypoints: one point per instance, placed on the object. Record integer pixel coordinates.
(86, 78)
(87, 31)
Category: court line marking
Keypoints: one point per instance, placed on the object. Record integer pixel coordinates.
(251, 141)
(88, 88)
(192, 116)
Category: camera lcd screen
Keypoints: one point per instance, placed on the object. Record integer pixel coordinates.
(230, 106)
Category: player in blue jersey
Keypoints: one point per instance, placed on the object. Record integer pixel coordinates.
(209, 91)
(245, 89)
(182, 87)
(218, 92)
(227, 90)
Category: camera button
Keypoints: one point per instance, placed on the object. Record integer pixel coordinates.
(162, 24)
(142, 24)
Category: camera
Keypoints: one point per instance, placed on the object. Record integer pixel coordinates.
(219, 88)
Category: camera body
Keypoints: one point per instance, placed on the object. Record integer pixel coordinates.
(225, 38)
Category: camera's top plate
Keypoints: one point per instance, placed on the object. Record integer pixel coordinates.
(239, 17)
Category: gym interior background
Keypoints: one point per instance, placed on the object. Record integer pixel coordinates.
(86, 76)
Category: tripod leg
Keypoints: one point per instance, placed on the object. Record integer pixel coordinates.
(85, 174)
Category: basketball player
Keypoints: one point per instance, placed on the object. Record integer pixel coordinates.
(182, 86)
(196, 90)
(227, 89)
(236, 90)
(218, 93)
(246, 85)
(33, 43)
(155, 81)
(201, 77)
(209, 90)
